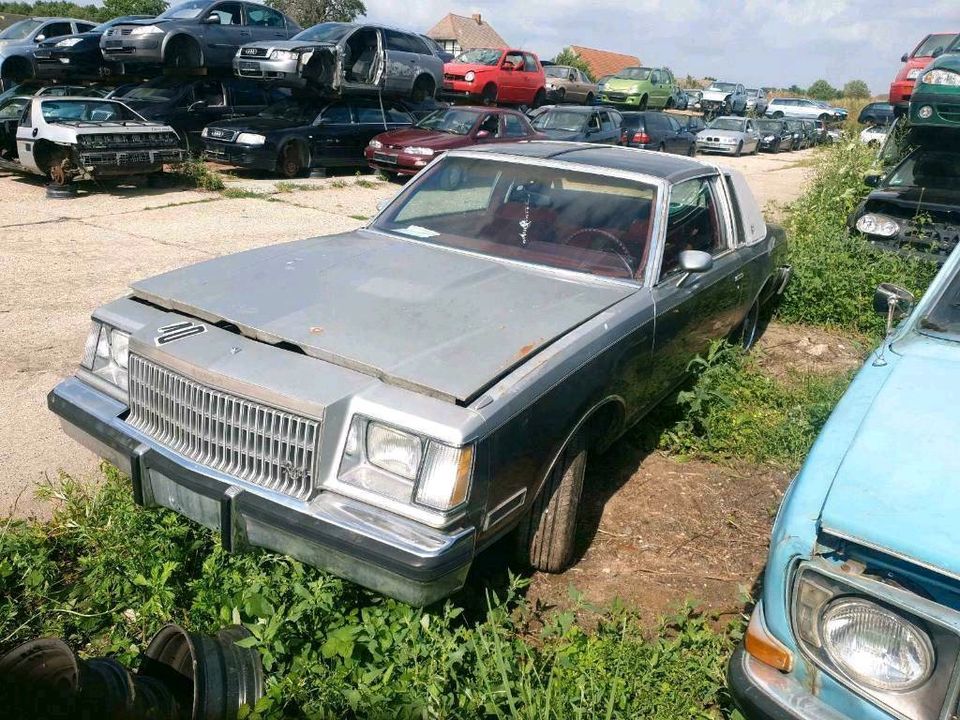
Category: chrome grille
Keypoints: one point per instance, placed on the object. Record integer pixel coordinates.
(238, 437)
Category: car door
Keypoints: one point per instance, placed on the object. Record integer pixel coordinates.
(263, 24)
(26, 134)
(221, 39)
(244, 98)
(609, 127)
(513, 129)
(205, 105)
(54, 29)
(333, 141)
(361, 60)
(694, 309)
(677, 141)
(753, 135)
(401, 62)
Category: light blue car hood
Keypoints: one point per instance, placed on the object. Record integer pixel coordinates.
(896, 488)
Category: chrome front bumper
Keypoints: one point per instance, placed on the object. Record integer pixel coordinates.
(376, 549)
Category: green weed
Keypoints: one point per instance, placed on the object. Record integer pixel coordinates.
(195, 173)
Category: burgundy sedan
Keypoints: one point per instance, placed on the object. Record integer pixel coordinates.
(406, 151)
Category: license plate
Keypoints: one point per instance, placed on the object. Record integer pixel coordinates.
(250, 66)
(386, 159)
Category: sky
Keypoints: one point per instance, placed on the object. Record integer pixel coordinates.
(773, 43)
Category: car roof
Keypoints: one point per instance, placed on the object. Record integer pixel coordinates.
(580, 109)
(672, 168)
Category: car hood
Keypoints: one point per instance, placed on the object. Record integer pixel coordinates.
(287, 45)
(621, 84)
(437, 321)
(424, 138)
(947, 61)
(715, 94)
(87, 38)
(462, 68)
(710, 132)
(914, 200)
(258, 124)
(893, 489)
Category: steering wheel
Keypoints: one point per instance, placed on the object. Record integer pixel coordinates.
(604, 240)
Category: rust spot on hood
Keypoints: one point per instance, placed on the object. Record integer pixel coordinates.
(527, 349)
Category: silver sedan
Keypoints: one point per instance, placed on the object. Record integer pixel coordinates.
(730, 135)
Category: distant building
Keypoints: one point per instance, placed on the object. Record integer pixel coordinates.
(604, 62)
(457, 34)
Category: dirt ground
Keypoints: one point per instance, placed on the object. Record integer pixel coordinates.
(63, 258)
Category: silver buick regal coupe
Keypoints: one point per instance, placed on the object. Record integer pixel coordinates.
(387, 403)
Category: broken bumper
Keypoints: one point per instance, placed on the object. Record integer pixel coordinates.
(378, 550)
(127, 162)
(764, 693)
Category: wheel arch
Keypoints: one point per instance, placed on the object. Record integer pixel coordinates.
(176, 37)
(14, 61)
(300, 144)
(425, 76)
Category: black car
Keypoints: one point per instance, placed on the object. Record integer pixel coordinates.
(579, 123)
(302, 133)
(878, 113)
(76, 55)
(914, 208)
(799, 136)
(657, 131)
(189, 106)
(774, 135)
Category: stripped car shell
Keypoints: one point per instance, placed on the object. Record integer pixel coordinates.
(445, 361)
(867, 521)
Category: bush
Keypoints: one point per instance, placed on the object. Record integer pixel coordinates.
(195, 173)
(105, 575)
(735, 410)
(835, 273)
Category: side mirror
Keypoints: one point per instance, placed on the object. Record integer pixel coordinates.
(872, 180)
(893, 301)
(481, 134)
(904, 58)
(695, 261)
(40, 38)
(212, 19)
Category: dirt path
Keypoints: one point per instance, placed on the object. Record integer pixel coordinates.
(63, 258)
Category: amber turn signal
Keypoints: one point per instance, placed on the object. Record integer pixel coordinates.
(763, 646)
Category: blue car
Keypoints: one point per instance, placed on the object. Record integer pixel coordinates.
(860, 611)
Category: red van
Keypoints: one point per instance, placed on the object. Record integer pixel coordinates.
(914, 63)
(494, 75)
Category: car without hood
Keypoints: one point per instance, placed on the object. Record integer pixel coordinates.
(928, 49)
(389, 402)
(858, 615)
(347, 58)
(756, 101)
(409, 150)
(495, 76)
(724, 98)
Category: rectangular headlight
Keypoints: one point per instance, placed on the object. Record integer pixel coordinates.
(106, 353)
(395, 451)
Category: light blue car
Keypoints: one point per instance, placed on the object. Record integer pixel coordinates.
(860, 609)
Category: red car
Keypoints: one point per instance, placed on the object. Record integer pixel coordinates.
(492, 75)
(407, 150)
(914, 63)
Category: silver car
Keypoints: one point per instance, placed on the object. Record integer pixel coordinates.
(756, 102)
(730, 135)
(389, 402)
(347, 57)
(195, 33)
(19, 40)
(800, 108)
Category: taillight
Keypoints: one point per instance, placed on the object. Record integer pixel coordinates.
(641, 137)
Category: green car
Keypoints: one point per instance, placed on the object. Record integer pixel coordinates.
(935, 100)
(641, 88)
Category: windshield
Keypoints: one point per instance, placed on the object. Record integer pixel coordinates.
(85, 111)
(166, 89)
(544, 215)
(723, 87)
(634, 73)
(12, 108)
(479, 57)
(455, 122)
(20, 30)
(557, 71)
(927, 169)
(753, 91)
(727, 124)
(184, 11)
(296, 110)
(324, 32)
(934, 43)
(769, 125)
(561, 120)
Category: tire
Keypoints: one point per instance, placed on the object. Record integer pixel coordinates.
(777, 115)
(692, 152)
(423, 89)
(17, 69)
(546, 536)
(746, 334)
(661, 148)
(591, 98)
(489, 94)
(643, 103)
(727, 108)
(183, 54)
(739, 151)
(824, 117)
(776, 148)
(561, 95)
(540, 98)
(670, 104)
(290, 163)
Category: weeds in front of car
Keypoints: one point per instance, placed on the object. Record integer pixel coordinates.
(195, 173)
(235, 193)
(836, 272)
(735, 410)
(105, 574)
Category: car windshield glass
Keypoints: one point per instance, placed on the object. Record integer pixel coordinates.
(769, 125)
(85, 111)
(20, 30)
(753, 91)
(479, 57)
(540, 214)
(324, 32)
(927, 169)
(12, 108)
(727, 124)
(634, 73)
(560, 120)
(183, 11)
(557, 71)
(292, 109)
(722, 87)
(155, 92)
(455, 122)
(934, 43)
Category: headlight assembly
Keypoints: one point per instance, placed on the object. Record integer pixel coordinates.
(877, 224)
(146, 30)
(106, 354)
(469, 76)
(69, 42)
(913, 73)
(939, 76)
(375, 144)
(284, 55)
(404, 466)
(251, 139)
(421, 151)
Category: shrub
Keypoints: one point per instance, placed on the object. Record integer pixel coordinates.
(195, 173)
(835, 273)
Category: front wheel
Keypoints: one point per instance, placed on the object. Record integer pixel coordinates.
(692, 152)
(590, 98)
(643, 103)
(746, 334)
(561, 95)
(540, 98)
(546, 537)
(291, 163)
(423, 90)
(489, 95)
(739, 150)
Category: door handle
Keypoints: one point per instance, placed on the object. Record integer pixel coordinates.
(738, 277)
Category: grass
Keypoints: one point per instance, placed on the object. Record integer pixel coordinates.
(241, 194)
(105, 575)
(195, 173)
